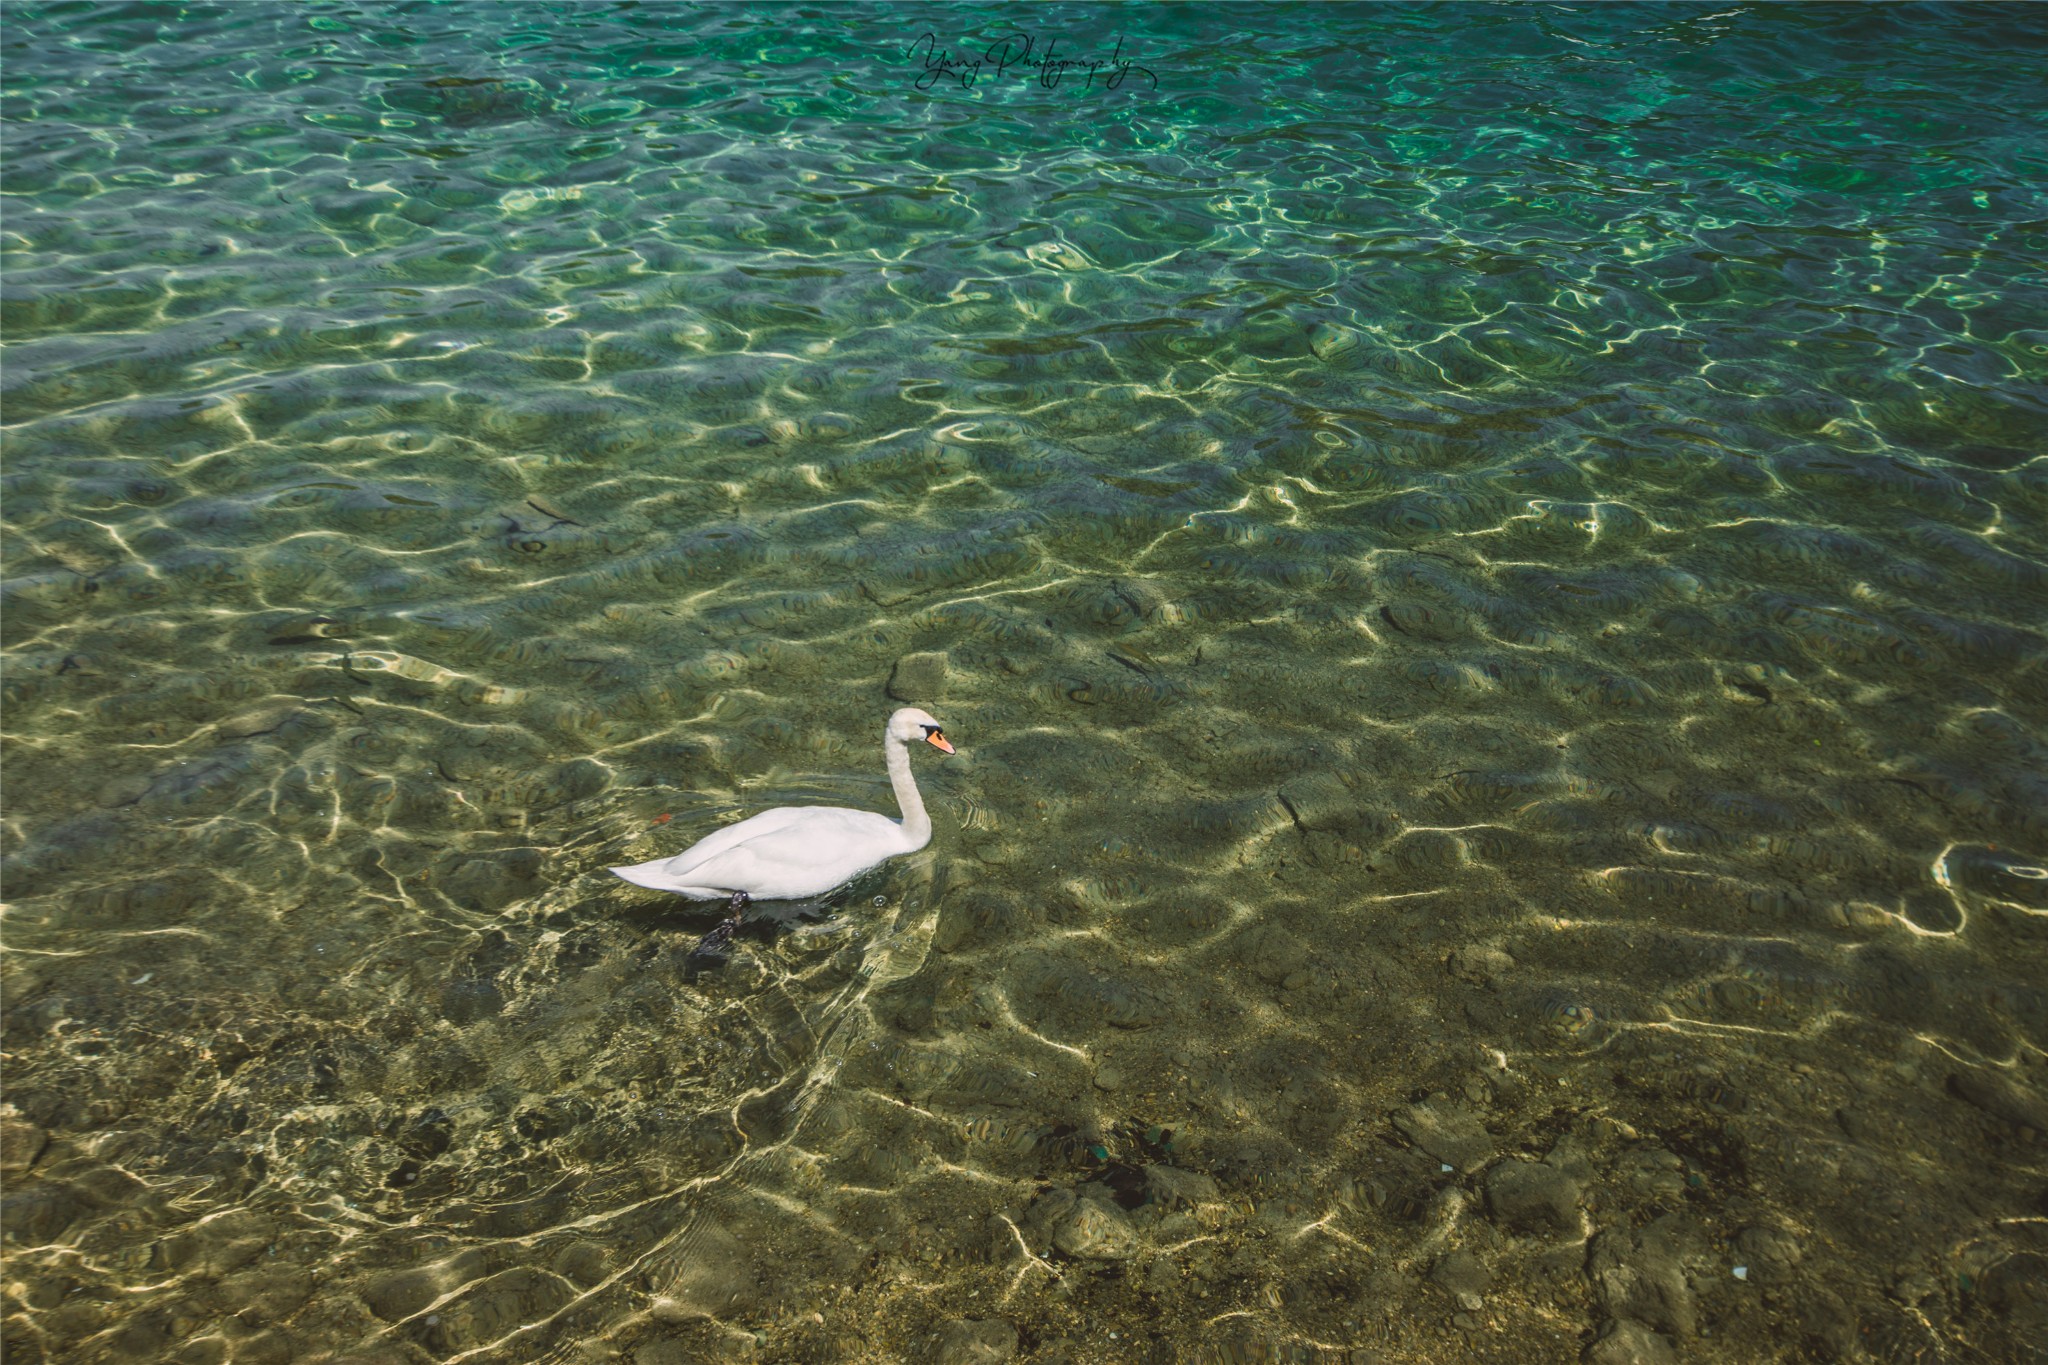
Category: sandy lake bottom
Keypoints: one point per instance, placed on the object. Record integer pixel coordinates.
(1486, 566)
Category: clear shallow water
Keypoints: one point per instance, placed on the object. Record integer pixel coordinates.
(1486, 565)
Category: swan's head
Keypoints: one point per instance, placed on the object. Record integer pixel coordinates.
(910, 725)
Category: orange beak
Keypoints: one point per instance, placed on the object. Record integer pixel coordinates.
(938, 741)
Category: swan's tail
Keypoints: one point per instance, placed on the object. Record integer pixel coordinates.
(655, 877)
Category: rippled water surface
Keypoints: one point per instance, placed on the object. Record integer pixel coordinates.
(1487, 567)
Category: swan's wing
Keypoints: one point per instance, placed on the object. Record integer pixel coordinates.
(677, 872)
(788, 852)
(718, 841)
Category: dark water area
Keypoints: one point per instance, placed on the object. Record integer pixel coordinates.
(1487, 566)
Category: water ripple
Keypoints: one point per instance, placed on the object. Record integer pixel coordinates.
(1486, 566)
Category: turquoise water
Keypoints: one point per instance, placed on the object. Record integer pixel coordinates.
(1486, 565)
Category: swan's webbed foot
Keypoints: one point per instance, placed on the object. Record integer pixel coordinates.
(714, 944)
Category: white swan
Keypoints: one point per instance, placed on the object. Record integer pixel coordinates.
(796, 851)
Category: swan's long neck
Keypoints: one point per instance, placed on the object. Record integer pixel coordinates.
(917, 826)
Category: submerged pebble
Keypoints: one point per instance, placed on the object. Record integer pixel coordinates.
(1095, 1231)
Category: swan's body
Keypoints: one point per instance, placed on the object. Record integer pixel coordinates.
(796, 851)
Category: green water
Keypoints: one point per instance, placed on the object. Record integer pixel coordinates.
(1486, 564)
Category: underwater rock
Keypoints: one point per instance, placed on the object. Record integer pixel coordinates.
(41, 1213)
(1437, 624)
(1273, 954)
(1460, 1274)
(398, 1294)
(1069, 994)
(493, 882)
(2016, 1289)
(1770, 1253)
(2001, 1099)
(1096, 1232)
(1624, 1341)
(1321, 801)
(1828, 1325)
(1446, 1131)
(1175, 1188)
(1045, 1214)
(1651, 1173)
(196, 782)
(1481, 966)
(265, 1293)
(466, 1001)
(492, 1308)
(1639, 1276)
(970, 1341)
(1533, 1196)
(1246, 818)
(261, 721)
(919, 677)
(1331, 342)
(706, 1272)
(21, 1142)
(123, 791)
(221, 1243)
